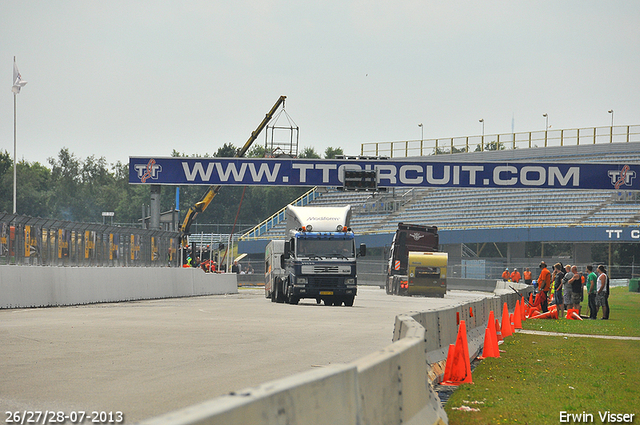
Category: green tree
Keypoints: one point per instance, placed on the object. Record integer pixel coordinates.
(33, 183)
(66, 179)
(331, 153)
(6, 188)
(228, 150)
(490, 146)
(308, 152)
(257, 151)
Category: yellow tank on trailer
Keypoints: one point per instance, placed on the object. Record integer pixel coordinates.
(427, 274)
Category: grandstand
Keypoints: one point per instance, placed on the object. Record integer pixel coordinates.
(488, 215)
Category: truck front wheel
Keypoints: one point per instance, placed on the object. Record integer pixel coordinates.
(279, 296)
(348, 302)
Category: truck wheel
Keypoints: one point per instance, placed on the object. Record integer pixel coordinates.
(348, 302)
(294, 300)
(279, 296)
(318, 300)
(387, 287)
(273, 296)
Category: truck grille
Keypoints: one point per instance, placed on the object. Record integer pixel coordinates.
(324, 281)
(325, 269)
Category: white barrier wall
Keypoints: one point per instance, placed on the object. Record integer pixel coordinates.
(56, 286)
(324, 396)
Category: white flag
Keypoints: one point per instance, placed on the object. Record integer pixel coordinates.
(18, 83)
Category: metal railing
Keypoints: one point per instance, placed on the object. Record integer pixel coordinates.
(531, 139)
(28, 240)
(279, 216)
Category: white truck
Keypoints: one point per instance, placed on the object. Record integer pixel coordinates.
(316, 260)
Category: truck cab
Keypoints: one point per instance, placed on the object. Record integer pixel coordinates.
(319, 257)
(417, 243)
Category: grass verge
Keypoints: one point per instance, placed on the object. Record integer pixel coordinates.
(538, 377)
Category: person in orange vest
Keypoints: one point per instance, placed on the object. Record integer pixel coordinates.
(544, 285)
(505, 275)
(527, 276)
(515, 276)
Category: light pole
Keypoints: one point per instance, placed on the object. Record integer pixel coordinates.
(17, 85)
(611, 130)
(546, 121)
(421, 136)
(482, 143)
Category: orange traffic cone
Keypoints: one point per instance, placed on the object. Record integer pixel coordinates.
(499, 331)
(573, 314)
(534, 312)
(460, 369)
(537, 301)
(488, 348)
(517, 317)
(530, 298)
(449, 365)
(551, 314)
(492, 328)
(505, 326)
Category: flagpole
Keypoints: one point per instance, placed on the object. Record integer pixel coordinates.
(15, 165)
(18, 83)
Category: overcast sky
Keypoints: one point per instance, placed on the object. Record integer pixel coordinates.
(141, 78)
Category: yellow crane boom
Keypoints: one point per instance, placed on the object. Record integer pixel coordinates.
(203, 203)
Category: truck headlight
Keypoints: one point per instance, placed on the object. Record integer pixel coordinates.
(301, 280)
(350, 281)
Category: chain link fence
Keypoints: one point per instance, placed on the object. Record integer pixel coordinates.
(28, 240)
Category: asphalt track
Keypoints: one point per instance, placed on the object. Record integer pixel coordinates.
(146, 358)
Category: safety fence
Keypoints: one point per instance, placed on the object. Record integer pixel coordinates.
(490, 142)
(28, 240)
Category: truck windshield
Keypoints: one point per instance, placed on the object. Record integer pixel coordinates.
(341, 248)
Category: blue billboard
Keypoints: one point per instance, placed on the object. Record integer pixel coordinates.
(391, 173)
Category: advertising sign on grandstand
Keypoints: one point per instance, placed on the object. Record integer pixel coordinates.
(330, 172)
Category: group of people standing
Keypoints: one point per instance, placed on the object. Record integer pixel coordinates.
(566, 285)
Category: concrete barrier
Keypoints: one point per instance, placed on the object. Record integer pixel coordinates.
(483, 285)
(317, 397)
(57, 286)
(394, 383)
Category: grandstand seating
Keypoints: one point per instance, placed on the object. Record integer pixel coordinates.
(465, 208)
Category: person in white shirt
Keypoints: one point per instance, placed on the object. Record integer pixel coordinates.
(601, 292)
